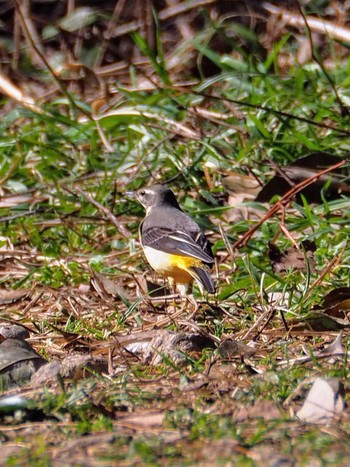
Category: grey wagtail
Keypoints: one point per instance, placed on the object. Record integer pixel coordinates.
(173, 243)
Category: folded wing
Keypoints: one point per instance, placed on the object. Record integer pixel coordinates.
(192, 244)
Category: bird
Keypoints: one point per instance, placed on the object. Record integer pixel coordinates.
(173, 243)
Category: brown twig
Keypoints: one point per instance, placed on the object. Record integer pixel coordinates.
(331, 265)
(11, 90)
(279, 113)
(40, 54)
(166, 13)
(110, 26)
(315, 24)
(344, 110)
(284, 229)
(105, 211)
(286, 198)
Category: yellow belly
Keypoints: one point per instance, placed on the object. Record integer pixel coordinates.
(171, 266)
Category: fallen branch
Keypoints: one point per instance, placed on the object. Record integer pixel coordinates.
(106, 212)
(315, 24)
(280, 204)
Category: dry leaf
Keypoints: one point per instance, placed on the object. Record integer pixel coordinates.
(11, 296)
(323, 402)
(239, 210)
(292, 258)
(143, 420)
(333, 349)
(334, 314)
(319, 321)
(246, 185)
(336, 296)
(302, 169)
(107, 288)
(267, 410)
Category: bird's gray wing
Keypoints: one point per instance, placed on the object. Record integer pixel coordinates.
(192, 244)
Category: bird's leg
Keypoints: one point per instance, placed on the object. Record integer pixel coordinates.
(173, 287)
(189, 298)
(192, 301)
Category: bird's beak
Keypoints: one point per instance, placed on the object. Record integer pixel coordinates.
(130, 194)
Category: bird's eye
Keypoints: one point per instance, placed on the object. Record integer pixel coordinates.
(142, 192)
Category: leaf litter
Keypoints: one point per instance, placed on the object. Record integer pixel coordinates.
(115, 356)
(76, 355)
(324, 401)
(130, 369)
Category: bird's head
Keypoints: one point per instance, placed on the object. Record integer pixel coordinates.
(155, 196)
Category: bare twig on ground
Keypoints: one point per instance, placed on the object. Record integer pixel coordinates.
(284, 201)
(106, 212)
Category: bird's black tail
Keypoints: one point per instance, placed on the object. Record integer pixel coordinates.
(203, 277)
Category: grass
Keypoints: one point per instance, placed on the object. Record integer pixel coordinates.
(249, 115)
